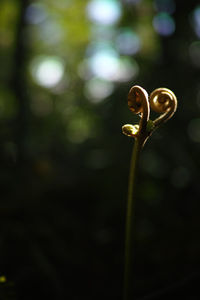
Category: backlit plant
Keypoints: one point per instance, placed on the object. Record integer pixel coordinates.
(164, 102)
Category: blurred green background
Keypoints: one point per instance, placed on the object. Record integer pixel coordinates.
(66, 69)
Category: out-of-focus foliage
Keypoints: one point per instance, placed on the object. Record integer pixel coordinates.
(66, 69)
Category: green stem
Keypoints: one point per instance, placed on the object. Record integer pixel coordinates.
(130, 220)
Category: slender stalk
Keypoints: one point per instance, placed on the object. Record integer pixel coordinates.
(163, 101)
(137, 147)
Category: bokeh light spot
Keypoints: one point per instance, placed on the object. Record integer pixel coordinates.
(127, 70)
(105, 12)
(97, 89)
(35, 13)
(164, 24)
(196, 20)
(79, 127)
(106, 64)
(101, 46)
(47, 71)
(50, 32)
(128, 42)
(103, 33)
(3, 279)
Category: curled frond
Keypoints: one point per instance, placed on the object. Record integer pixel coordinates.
(130, 130)
(163, 101)
(138, 103)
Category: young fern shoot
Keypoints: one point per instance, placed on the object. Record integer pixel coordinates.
(162, 101)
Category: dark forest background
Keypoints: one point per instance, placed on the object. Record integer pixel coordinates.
(66, 69)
